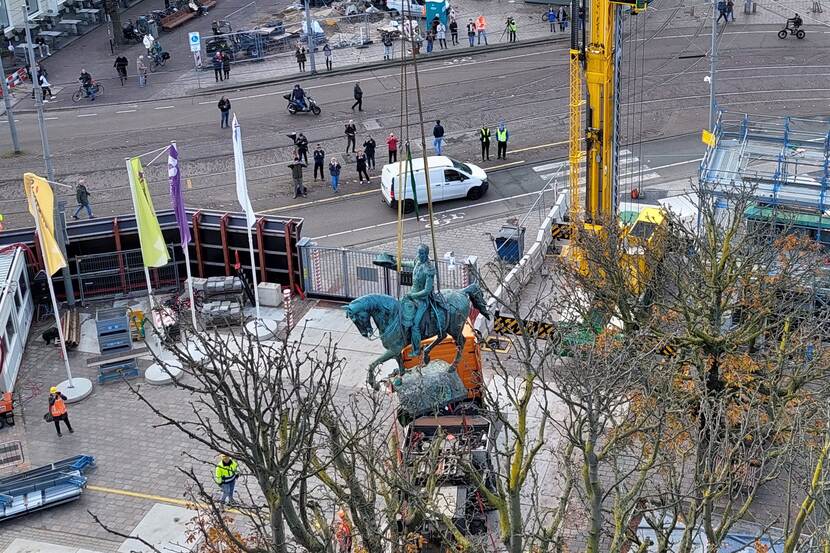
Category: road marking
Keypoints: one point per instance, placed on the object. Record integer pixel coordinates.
(49, 118)
(149, 497)
(88, 115)
(503, 165)
(127, 111)
(318, 202)
(529, 148)
(165, 107)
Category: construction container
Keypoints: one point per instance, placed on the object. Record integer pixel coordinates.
(469, 368)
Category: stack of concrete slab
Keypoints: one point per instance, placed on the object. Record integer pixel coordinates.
(223, 286)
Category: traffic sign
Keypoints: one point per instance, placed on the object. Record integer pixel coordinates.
(195, 42)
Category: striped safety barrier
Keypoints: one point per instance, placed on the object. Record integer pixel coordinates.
(15, 79)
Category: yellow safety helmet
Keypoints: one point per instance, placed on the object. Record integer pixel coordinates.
(53, 390)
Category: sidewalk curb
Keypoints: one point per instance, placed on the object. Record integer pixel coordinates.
(357, 68)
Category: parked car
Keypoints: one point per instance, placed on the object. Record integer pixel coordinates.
(449, 179)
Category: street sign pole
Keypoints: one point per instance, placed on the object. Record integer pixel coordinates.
(195, 41)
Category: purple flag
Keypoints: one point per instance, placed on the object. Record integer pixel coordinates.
(176, 194)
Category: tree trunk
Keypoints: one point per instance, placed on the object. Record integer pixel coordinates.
(516, 521)
(111, 10)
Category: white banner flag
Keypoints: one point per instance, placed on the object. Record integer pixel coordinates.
(241, 179)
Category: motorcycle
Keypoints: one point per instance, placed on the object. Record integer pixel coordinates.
(791, 29)
(310, 107)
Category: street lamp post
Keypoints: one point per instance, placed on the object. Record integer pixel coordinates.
(8, 103)
(59, 223)
(310, 35)
(713, 62)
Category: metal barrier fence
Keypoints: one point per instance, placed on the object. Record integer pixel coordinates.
(108, 275)
(342, 274)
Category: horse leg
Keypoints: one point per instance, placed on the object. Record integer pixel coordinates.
(370, 379)
(460, 341)
(431, 345)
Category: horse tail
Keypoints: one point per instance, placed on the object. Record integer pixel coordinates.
(473, 291)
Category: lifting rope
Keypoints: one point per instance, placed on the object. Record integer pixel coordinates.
(405, 125)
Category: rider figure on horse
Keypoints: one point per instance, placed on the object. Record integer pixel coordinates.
(421, 298)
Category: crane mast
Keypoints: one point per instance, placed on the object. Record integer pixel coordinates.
(595, 85)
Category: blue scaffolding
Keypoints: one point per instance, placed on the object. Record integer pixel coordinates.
(782, 161)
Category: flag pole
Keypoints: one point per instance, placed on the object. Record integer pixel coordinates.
(135, 210)
(52, 294)
(186, 250)
(253, 271)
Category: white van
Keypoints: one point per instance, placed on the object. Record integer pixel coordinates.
(449, 179)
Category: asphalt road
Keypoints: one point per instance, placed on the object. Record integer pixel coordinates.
(664, 105)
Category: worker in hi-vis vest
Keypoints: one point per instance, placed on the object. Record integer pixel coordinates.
(502, 136)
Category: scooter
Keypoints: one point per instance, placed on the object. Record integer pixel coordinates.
(310, 107)
(791, 30)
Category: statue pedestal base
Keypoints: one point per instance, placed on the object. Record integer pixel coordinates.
(426, 389)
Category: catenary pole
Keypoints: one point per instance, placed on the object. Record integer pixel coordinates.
(9, 114)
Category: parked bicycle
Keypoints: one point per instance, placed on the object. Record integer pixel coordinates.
(82, 92)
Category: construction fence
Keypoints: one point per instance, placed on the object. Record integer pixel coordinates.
(342, 274)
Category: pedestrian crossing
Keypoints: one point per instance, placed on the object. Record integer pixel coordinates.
(632, 172)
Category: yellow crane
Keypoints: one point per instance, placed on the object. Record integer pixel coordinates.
(596, 50)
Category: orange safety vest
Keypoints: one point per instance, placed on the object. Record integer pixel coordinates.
(481, 23)
(58, 408)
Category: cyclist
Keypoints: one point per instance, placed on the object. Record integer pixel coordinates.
(795, 21)
(87, 84)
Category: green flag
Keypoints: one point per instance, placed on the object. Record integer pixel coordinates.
(153, 247)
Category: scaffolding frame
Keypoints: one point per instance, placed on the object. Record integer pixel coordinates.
(783, 161)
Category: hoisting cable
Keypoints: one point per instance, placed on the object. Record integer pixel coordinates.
(402, 128)
(426, 168)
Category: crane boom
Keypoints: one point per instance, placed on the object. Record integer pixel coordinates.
(595, 60)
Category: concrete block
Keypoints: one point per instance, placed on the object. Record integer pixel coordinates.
(270, 294)
(164, 526)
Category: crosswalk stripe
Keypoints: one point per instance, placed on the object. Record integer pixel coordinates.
(625, 159)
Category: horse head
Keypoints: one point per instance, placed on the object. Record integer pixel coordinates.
(361, 318)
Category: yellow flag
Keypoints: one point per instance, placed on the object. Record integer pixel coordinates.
(153, 247)
(41, 200)
(707, 138)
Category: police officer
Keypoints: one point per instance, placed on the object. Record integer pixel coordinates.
(227, 471)
(502, 136)
(484, 137)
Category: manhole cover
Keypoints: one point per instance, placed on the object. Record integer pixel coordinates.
(11, 454)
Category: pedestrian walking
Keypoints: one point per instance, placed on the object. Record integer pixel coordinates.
(471, 32)
(441, 35)
(388, 45)
(45, 88)
(481, 29)
(141, 67)
(430, 38)
(334, 171)
(454, 31)
(360, 165)
(217, 66)
(225, 475)
(297, 177)
(319, 157)
(502, 136)
(550, 17)
(327, 53)
(438, 137)
(722, 12)
(580, 12)
(358, 97)
(82, 197)
(484, 138)
(562, 16)
(369, 147)
(225, 110)
(511, 29)
(226, 65)
(730, 10)
(343, 533)
(392, 145)
(301, 142)
(351, 134)
(301, 58)
(121, 67)
(57, 410)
